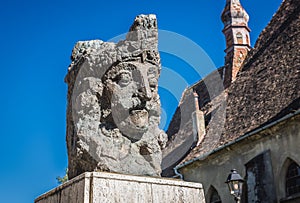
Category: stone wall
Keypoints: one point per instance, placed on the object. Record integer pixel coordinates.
(95, 187)
(282, 141)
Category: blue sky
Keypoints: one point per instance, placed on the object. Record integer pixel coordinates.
(36, 42)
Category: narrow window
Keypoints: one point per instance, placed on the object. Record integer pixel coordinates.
(247, 39)
(292, 183)
(214, 198)
(239, 38)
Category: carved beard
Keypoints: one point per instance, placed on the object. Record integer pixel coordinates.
(132, 120)
(131, 88)
(139, 118)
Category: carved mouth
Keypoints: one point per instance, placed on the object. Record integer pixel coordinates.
(139, 118)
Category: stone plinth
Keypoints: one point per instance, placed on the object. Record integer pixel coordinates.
(116, 188)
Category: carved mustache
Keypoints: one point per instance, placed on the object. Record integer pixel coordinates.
(137, 104)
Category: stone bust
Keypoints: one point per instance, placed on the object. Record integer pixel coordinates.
(113, 104)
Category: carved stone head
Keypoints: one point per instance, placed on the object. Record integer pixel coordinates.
(113, 104)
(131, 90)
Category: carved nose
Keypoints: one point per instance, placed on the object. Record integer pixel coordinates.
(145, 90)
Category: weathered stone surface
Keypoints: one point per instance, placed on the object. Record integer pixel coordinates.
(117, 188)
(113, 105)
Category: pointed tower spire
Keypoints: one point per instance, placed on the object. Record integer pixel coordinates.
(236, 32)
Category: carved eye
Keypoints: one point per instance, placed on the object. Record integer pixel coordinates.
(152, 71)
(124, 78)
(153, 82)
(152, 76)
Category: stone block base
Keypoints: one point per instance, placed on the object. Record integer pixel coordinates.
(95, 187)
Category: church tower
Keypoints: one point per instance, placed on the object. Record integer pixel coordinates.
(236, 32)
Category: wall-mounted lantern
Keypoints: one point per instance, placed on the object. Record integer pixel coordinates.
(235, 184)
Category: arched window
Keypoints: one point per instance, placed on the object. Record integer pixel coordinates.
(292, 182)
(247, 40)
(214, 197)
(239, 38)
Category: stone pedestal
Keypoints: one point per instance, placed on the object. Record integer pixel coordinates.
(95, 187)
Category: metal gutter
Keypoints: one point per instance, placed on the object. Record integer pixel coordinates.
(178, 174)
